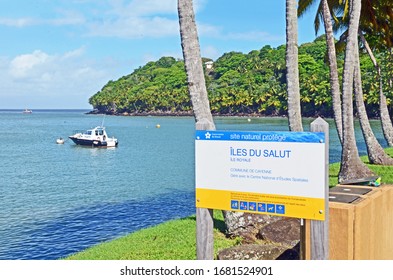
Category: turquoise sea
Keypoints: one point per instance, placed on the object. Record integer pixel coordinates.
(60, 199)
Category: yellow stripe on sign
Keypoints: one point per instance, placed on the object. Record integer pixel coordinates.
(279, 205)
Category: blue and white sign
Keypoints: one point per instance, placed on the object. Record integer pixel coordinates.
(281, 173)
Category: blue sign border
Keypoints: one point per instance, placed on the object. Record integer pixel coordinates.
(260, 136)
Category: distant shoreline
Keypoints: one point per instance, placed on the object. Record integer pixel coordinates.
(44, 110)
(178, 114)
(191, 114)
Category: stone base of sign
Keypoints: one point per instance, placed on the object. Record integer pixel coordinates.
(265, 238)
(259, 252)
(285, 232)
(247, 225)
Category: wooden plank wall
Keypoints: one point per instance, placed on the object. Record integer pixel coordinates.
(363, 230)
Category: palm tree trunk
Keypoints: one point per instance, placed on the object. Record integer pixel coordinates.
(334, 81)
(193, 63)
(351, 165)
(376, 153)
(197, 88)
(386, 121)
(293, 91)
(391, 63)
(387, 126)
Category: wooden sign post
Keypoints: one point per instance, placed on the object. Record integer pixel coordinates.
(204, 218)
(319, 230)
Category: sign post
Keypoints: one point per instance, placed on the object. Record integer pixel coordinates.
(204, 218)
(319, 230)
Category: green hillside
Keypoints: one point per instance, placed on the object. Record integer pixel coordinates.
(238, 83)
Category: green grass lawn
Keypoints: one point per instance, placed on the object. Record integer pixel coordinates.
(172, 240)
(385, 172)
(176, 239)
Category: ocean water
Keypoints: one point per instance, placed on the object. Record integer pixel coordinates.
(60, 199)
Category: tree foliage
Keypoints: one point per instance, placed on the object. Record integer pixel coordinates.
(253, 83)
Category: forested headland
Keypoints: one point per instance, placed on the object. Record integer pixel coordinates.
(241, 84)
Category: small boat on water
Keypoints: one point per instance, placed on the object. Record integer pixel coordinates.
(27, 111)
(95, 137)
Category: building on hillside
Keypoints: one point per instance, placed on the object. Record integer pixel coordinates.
(209, 65)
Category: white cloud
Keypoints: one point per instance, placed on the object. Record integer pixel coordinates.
(64, 18)
(135, 27)
(22, 65)
(38, 64)
(134, 19)
(199, 5)
(144, 7)
(137, 19)
(18, 22)
(74, 53)
(142, 18)
(210, 52)
(52, 79)
(209, 30)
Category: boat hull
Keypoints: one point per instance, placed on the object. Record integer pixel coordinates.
(93, 143)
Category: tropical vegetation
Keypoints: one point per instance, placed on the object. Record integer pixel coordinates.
(359, 21)
(238, 83)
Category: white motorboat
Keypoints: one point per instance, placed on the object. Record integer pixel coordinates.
(95, 137)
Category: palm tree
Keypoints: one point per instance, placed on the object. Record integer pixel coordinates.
(375, 21)
(376, 153)
(351, 165)
(293, 91)
(200, 104)
(324, 13)
(387, 126)
(193, 64)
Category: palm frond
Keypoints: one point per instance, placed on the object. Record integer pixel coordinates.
(346, 10)
(304, 6)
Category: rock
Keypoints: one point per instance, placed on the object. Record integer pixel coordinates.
(285, 232)
(247, 225)
(258, 252)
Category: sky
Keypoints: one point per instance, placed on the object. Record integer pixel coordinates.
(56, 54)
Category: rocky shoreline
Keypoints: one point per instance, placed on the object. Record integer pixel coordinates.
(191, 114)
(177, 114)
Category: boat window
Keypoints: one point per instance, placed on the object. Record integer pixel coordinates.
(101, 132)
(96, 133)
(88, 132)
